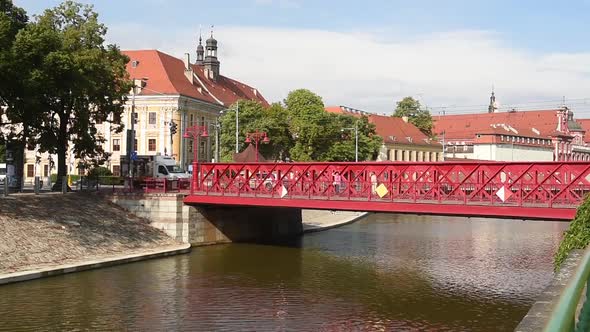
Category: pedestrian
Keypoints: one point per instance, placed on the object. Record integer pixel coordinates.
(373, 182)
(337, 180)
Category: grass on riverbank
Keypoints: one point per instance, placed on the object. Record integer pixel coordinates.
(577, 236)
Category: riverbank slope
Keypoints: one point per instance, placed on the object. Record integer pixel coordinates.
(41, 231)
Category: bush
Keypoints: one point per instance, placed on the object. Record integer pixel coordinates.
(72, 176)
(577, 236)
(99, 172)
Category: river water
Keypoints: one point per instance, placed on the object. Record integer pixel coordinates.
(384, 273)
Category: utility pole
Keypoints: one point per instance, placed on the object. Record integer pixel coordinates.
(443, 145)
(131, 140)
(356, 143)
(238, 127)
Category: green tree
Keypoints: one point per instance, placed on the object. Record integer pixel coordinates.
(75, 79)
(253, 117)
(344, 140)
(417, 115)
(319, 136)
(12, 100)
(311, 126)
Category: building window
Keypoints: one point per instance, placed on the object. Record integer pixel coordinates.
(45, 170)
(191, 119)
(152, 118)
(152, 144)
(502, 138)
(30, 170)
(528, 140)
(116, 144)
(116, 170)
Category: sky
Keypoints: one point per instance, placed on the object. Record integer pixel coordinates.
(369, 54)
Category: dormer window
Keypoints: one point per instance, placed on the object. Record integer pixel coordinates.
(134, 63)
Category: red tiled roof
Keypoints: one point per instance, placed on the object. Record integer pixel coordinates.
(165, 75)
(346, 110)
(585, 123)
(396, 130)
(248, 155)
(467, 126)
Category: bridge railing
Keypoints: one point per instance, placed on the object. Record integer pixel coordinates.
(565, 315)
(547, 184)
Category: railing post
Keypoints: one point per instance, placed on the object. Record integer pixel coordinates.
(5, 186)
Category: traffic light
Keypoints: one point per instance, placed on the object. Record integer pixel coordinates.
(173, 127)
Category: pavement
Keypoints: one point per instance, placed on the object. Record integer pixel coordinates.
(320, 220)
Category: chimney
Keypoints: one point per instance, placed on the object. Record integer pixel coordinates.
(405, 118)
(188, 69)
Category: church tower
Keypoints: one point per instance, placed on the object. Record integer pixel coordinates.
(200, 51)
(493, 105)
(211, 63)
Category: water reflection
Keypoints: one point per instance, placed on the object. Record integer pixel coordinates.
(388, 272)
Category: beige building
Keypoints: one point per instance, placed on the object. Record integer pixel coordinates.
(168, 90)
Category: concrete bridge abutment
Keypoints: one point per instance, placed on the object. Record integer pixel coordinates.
(212, 224)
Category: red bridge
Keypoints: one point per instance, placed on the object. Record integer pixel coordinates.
(541, 190)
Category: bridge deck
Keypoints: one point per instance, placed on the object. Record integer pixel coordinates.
(543, 190)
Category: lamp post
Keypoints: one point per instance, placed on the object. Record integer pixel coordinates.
(131, 140)
(257, 136)
(238, 126)
(195, 132)
(217, 132)
(356, 140)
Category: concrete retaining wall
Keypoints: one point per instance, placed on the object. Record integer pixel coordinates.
(539, 314)
(202, 225)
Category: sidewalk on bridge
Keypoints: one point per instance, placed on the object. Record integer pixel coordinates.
(320, 220)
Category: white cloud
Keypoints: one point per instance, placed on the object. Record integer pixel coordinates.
(369, 71)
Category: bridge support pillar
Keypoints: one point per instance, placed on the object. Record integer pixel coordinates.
(210, 224)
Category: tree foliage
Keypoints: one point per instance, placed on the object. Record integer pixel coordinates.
(417, 115)
(254, 117)
(577, 236)
(75, 81)
(300, 130)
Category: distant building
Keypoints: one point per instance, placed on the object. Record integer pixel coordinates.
(402, 141)
(539, 135)
(169, 89)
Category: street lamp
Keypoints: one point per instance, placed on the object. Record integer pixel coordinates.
(195, 132)
(237, 126)
(131, 135)
(257, 137)
(356, 140)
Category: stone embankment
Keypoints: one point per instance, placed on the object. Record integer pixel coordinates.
(320, 220)
(38, 232)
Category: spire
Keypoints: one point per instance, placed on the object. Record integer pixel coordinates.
(493, 105)
(200, 50)
(211, 63)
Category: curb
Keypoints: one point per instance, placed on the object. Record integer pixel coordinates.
(325, 228)
(89, 265)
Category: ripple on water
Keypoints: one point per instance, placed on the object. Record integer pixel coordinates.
(386, 273)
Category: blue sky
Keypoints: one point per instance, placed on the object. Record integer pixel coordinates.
(532, 51)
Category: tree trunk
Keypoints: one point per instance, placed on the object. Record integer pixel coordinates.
(61, 167)
(62, 148)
